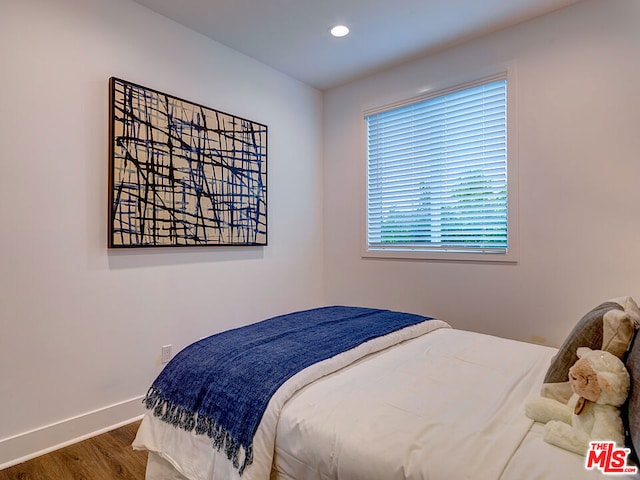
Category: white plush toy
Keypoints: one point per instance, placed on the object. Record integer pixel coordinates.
(600, 384)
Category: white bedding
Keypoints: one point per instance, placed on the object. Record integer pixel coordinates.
(445, 405)
(537, 460)
(193, 456)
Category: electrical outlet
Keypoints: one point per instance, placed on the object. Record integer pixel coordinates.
(166, 353)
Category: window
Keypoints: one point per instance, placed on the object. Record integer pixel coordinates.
(437, 176)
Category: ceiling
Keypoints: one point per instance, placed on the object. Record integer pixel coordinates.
(292, 36)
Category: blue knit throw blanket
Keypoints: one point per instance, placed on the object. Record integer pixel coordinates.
(221, 385)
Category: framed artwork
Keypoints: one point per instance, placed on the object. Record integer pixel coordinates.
(182, 174)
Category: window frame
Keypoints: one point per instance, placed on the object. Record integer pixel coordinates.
(511, 255)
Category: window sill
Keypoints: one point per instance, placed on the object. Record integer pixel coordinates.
(509, 257)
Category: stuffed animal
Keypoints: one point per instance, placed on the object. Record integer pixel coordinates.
(600, 384)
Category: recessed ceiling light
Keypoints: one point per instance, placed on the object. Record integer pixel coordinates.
(339, 31)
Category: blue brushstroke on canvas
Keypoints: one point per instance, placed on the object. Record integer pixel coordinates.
(183, 174)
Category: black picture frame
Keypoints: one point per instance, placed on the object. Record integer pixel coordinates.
(182, 174)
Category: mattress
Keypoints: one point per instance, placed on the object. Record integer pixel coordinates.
(447, 404)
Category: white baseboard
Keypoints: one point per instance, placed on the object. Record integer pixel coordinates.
(28, 445)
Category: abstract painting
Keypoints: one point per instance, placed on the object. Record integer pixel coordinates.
(182, 174)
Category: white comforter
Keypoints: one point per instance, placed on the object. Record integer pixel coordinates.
(448, 405)
(444, 405)
(192, 455)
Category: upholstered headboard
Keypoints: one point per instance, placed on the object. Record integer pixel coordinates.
(632, 416)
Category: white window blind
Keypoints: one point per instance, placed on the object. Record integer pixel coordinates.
(437, 172)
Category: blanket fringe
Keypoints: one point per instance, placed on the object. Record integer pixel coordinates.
(180, 417)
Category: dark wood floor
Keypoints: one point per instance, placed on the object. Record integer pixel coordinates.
(106, 457)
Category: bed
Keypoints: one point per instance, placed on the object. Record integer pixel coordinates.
(419, 401)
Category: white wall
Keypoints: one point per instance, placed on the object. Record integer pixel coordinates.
(578, 106)
(82, 327)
